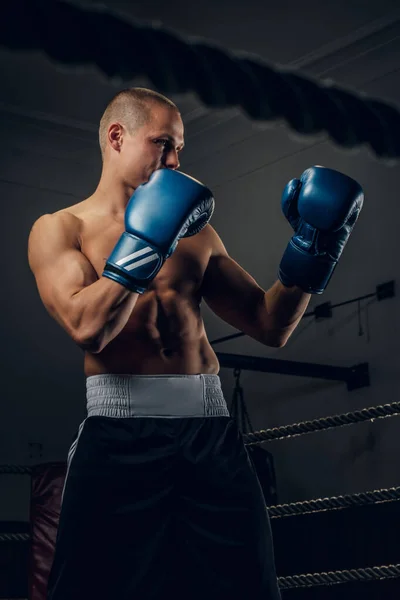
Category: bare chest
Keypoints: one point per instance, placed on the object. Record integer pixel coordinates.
(183, 272)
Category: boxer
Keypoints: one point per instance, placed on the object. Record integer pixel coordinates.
(160, 498)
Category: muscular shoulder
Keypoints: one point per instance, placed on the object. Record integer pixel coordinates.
(63, 220)
(53, 230)
(70, 218)
(68, 221)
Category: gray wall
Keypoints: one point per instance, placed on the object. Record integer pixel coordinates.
(50, 159)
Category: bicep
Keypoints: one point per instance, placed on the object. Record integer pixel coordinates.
(230, 291)
(59, 267)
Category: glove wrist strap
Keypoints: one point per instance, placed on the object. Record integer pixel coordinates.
(309, 272)
(133, 263)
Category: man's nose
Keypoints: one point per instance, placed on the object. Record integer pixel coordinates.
(171, 160)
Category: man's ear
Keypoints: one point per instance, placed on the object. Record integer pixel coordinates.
(115, 136)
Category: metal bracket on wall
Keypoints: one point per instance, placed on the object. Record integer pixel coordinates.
(325, 310)
(355, 377)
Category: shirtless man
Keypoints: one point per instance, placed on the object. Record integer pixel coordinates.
(160, 498)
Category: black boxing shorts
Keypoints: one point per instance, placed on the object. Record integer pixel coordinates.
(161, 499)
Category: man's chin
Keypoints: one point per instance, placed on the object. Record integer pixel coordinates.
(152, 172)
(145, 178)
(141, 181)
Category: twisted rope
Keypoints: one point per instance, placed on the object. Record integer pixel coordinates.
(293, 581)
(15, 470)
(313, 579)
(14, 537)
(294, 508)
(75, 35)
(366, 414)
(334, 503)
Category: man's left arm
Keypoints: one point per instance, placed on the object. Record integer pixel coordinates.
(270, 317)
(322, 207)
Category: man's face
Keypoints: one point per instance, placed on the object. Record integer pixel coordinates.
(155, 145)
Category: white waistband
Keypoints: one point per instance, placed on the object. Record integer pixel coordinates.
(167, 396)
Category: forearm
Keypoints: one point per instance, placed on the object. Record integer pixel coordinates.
(100, 311)
(280, 312)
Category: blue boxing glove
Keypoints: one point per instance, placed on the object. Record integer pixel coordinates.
(169, 206)
(322, 207)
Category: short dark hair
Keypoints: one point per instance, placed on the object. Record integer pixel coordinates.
(132, 107)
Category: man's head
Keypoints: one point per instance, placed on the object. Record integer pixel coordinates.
(140, 131)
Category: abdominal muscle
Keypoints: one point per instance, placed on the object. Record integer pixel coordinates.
(164, 335)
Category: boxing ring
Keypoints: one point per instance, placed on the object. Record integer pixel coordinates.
(74, 36)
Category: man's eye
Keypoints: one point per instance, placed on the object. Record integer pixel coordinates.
(163, 143)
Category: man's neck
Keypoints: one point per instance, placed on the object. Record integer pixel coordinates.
(111, 197)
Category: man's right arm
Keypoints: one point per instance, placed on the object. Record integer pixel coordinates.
(92, 310)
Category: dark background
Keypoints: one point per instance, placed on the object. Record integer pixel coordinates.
(50, 159)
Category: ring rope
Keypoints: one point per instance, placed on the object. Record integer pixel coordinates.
(14, 537)
(334, 503)
(296, 429)
(123, 49)
(294, 508)
(15, 470)
(293, 581)
(345, 576)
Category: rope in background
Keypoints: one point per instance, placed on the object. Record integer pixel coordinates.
(334, 503)
(74, 35)
(285, 431)
(296, 429)
(346, 576)
(292, 581)
(15, 537)
(15, 470)
(290, 509)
